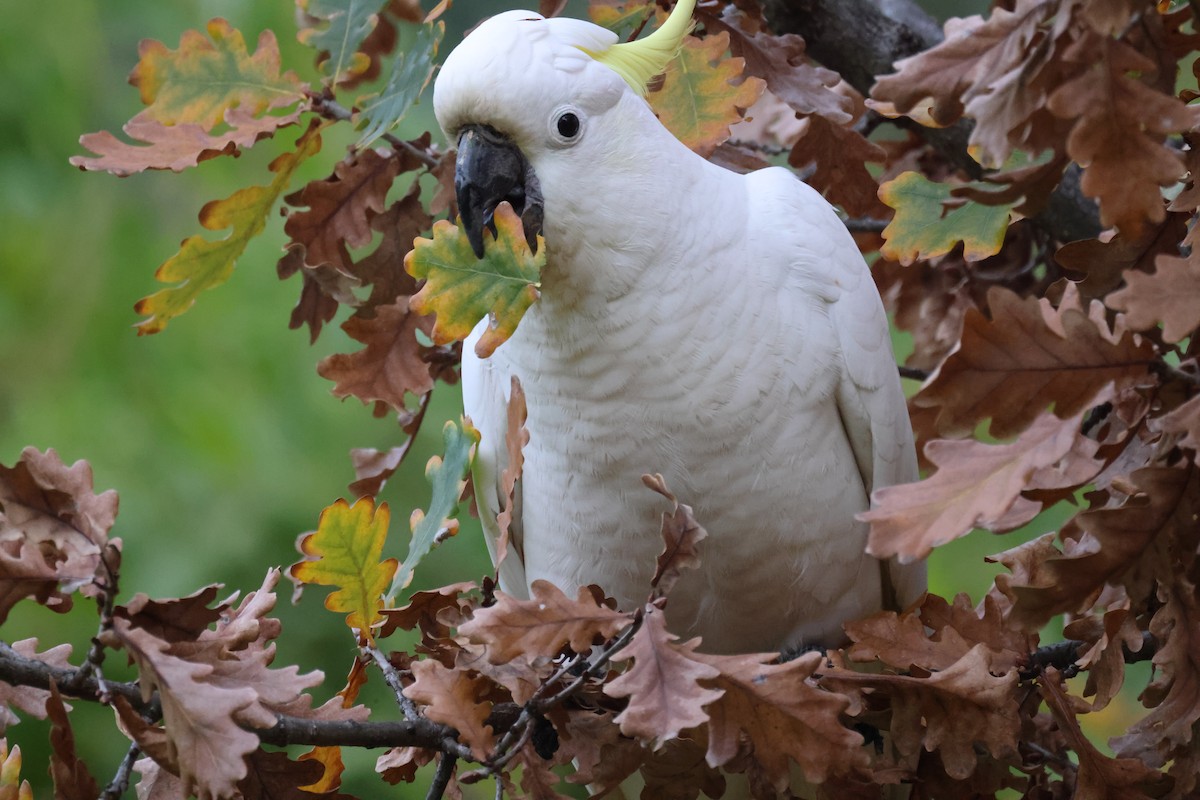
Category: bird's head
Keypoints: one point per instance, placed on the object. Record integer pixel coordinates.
(522, 91)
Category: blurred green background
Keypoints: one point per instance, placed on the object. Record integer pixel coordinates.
(221, 439)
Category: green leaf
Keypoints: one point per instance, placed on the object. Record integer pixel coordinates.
(448, 475)
(622, 18)
(345, 552)
(343, 25)
(410, 75)
(462, 289)
(204, 78)
(205, 263)
(925, 228)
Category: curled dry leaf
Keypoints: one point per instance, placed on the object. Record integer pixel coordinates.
(976, 486)
(542, 625)
(681, 536)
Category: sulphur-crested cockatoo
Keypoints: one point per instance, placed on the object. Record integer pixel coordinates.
(720, 329)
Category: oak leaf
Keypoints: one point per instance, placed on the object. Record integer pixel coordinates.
(274, 776)
(542, 625)
(423, 610)
(1104, 262)
(451, 698)
(1185, 420)
(1174, 693)
(1128, 544)
(780, 61)
(28, 699)
(53, 531)
(390, 365)
(1028, 357)
(462, 289)
(175, 147)
(1098, 776)
(950, 710)
(1170, 296)
(664, 685)
(410, 75)
(345, 552)
(1107, 638)
(205, 263)
(839, 157)
(403, 221)
(447, 475)
(1120, 125)
(681, 535)
(72, 779)
(11, 785)
(783, 716)
(977, 485)
(698, 99)
(620, 16)
(336, 29)
(926, 225)
(205, 77)
(340, 208)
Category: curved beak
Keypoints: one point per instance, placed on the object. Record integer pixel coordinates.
(489, 170)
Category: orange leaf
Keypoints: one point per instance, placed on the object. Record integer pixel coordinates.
(699, 98)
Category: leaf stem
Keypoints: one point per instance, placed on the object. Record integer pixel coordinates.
(331, 109)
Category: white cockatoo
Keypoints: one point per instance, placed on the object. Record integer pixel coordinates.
(720, 329)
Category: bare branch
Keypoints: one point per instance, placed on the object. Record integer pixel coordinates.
(120, 783)
(441, 778)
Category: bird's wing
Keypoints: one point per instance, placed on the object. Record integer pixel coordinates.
(870, 400)
(486, 386)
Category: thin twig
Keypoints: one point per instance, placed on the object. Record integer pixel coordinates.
(865, 224)
(441, 778)
(393, 680)
(1063, 655)
(331, 109)
(120, 783)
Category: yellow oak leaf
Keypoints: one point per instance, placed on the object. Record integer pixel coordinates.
(699, 98)
(206, 77)
(345, 552)
(462, 289)
(925, 227)
(205, 263)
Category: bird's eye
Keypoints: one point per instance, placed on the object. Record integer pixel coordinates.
(567, 125)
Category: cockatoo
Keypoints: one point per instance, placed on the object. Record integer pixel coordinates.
(720, 329)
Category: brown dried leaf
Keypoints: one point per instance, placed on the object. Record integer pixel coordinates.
(390, 365)
(27, 699)
(1174, 694)
(840, 155)
(950, 711)
(991, 67)
(1099, 776)
(1170, 296)
(422, 611)
(1185, 420)
(403, 221)
(976, 486)
(176, 147)
(1130, 544)
(602, 756)
(780, 61)
(340, 208)
(681, 538)
(53, 530)
(156, 783)
(400, 764)
(1104, 658)
(900, 641)
(784, 717)
(72, 780)
(1119, 133)
(663, 685)
(1027, 357)
(983, 625)
(929, 300)
(177, 619)
(543, 624)
(274, 776)
(451, 698)
(1105, 262)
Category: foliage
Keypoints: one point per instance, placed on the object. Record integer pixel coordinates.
(1079, 355)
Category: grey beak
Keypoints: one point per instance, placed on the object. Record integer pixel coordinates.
(489, 170)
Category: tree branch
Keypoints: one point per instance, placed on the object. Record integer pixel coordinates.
(862, 40)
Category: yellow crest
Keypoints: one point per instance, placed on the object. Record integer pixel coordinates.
(639, 61)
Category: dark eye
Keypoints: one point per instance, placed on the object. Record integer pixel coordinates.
(568, 125)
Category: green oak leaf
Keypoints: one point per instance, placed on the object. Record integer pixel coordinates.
(410, 75)
(462, 289)
(924, 227)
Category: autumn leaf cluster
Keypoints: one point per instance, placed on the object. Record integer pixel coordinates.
(1024, 187)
